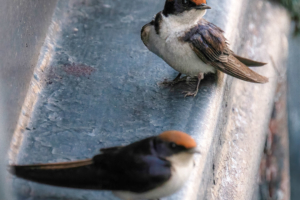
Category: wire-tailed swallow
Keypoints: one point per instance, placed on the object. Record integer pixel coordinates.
(193, 46)
(148, 169)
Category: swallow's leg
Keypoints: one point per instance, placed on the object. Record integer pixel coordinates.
(176, 80)
(188, 93)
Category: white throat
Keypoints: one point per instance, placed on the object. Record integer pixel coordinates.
(182, 159)
(187, 17)
(181, 22)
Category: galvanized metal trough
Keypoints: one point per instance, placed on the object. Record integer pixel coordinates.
(75, 77)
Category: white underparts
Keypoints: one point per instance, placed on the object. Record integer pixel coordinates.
(169, 46)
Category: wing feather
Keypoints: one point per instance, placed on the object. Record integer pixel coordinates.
(77, 174)
(210, 45)
(111, 149)
(130, 168)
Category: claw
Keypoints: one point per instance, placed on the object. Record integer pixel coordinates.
(188, 93)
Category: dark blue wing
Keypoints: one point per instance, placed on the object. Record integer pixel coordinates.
(133, 168)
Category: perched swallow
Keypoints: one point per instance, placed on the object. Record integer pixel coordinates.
(148, 169)
(193, 46)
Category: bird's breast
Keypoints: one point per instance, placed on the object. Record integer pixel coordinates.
(177, 53)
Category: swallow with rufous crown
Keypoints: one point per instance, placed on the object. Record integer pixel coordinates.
(193, 46)
(151, 168)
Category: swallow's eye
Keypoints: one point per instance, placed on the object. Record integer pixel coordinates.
(173, 145)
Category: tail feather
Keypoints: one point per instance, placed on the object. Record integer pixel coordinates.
(237, 69)
(248, 62)
(234, 67)
(78, 174)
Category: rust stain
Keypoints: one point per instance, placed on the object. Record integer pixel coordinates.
(78, 70)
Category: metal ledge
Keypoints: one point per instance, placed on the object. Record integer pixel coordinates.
(96, 85)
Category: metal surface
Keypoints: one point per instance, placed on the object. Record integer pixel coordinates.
(241, 145)
(23, 27)
(96, 85)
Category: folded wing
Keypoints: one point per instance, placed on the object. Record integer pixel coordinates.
(209, 43)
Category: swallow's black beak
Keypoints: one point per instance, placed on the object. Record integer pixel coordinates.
(203, 7)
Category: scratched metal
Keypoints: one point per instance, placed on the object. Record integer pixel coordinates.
(96, 85)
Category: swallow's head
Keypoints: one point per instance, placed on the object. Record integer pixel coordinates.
(171, 144)
(175, 7)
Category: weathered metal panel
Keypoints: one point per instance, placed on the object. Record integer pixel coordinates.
(238, 158)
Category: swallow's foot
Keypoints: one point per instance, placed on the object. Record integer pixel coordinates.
(189, 93)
